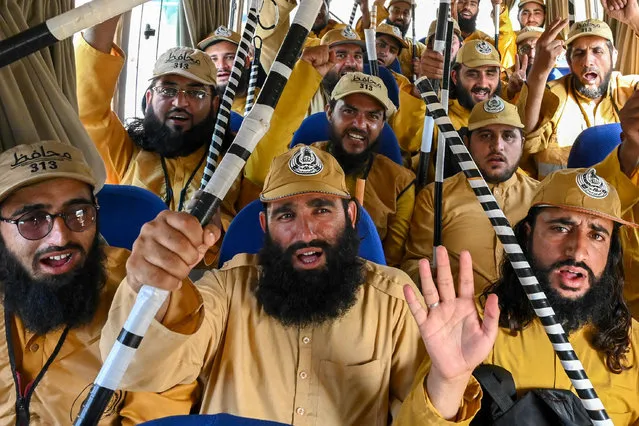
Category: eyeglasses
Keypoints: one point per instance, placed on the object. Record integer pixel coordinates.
(525, 49)
(171, 92)
(37, 224)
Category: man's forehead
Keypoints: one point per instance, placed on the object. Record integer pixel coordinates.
(496, 128)
(531, 6)
(362, 102)
(304, 200)
(176, 80)
(347, 47)
(42, 192)
(589, 41)
(402, 6)
(221, 47)
(578, 216)
(483, 68)
(529, 41)
(389, 40)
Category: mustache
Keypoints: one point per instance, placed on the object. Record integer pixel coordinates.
(479, 89)
(290, 250)
(356, 131)
(571, 262)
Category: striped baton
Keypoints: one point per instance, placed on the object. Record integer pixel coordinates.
(205, 204)
(569, 360)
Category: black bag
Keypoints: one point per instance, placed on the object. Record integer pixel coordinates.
(538, 407)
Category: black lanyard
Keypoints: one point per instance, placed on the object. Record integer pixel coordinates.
(169, 189)
(23, 401)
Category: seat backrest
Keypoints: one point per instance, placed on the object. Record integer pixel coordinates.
(396, 66)
(594, 144)
(210, 420)
(236, 121)
(315, 128)
(123, 211)
(389, 82)
(245, 235)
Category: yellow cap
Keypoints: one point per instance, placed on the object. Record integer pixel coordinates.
(589, 27)
(433, 27)
(358, 82)
(27, 164)
(304, 170)
(523, 2)
(528, 32)
(477, 53)
(339, 36)
(392, 31)
(494, 111)
(187, 62)
(220, 34)
(392, 2)
(580, 190)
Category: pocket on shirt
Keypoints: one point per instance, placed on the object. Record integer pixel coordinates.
(351, 394)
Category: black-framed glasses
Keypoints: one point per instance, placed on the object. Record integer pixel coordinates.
(168, 92)
(37, 224)
(525, 49)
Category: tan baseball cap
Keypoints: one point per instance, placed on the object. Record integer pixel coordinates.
(589, 27)
(304, 170)
(410, 2)
(494, 111)
(392, 31)
(220, 34)
(358, 82)
(528, 32)
(339, 36)
(477, 53)
(27, 164)
(580, 190)
(187, 62)
(523, 2)
(433, 27)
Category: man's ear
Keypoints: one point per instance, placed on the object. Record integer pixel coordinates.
(527, 229)
(352, 212)
(615, 54)
(329, 111)
(215, 101)
(453, 76)
(263, 221)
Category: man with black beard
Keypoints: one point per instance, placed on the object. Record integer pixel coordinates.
(304, 332)
(557, 112)
(221, 45)
(323, 24)
(571, 239)
(165, 152)
(57, 280)
(495, 140)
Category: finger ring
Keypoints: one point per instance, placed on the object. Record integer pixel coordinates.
(433, 305)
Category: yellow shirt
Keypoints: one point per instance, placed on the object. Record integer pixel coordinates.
(276, 13)
(389, 199)
(465, 225)
(529, 356)
(564, 115)
(408, 122)
(628, 190)
(66, 383)
(353, 371)
(125, 162)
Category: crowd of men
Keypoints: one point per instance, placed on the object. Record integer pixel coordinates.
(307, 331)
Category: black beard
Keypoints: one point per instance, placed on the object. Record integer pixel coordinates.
(596, 93)
(53, 302)
(467, 26)
(152, 135)
(402, 27)
(573, 314)
(352, 164)
(314, 297)
(317, 28)
(465, 99)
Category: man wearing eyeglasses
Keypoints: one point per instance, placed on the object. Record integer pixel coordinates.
(164, 152)
(57, 280)
(515, 76)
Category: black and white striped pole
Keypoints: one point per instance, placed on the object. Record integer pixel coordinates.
(569, 360)
(414, 52)
(441, 45)
(205, 204)
(255, 69)
(224, 112)
(351, 20)
(370, 36)
(496, 10)
(61, 27)
(571, 12)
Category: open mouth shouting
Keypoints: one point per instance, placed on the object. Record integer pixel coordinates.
(309, 258)
(480, 93)
(58, 262)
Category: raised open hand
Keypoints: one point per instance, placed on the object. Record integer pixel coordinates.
(456, 339)
(549, 47)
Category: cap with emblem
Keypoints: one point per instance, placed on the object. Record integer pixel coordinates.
(523, 2)
(477, 53)
(339, 36)
(589, 27)
(187, 62)
(220, 34)
(528, 32)
(392, 31)
(28, 164)
(494, 111)
(304, 170)
(433, 28)
(357, 82)
(580, 190)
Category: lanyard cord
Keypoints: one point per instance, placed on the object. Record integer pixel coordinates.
(169, 189)
(22, 401)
